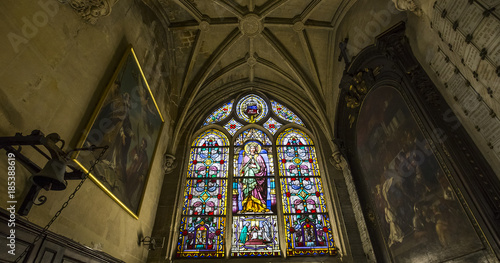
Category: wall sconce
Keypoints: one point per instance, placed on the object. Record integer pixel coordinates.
(54, 174)
(151, 242)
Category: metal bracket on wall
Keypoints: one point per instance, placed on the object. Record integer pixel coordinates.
(49, 142)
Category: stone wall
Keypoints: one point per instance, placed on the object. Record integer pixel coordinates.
(425, 41)
(55, 66)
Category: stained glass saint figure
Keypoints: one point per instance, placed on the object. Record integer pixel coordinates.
(253, 169)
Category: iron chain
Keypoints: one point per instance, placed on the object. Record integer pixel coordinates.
(71, 196)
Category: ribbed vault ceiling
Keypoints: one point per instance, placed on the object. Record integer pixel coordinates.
(282, 47)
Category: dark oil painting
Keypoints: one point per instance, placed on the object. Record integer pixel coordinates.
(420, 217)
(128, 121)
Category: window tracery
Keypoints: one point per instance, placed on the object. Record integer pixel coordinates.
(274, 183)
(220, 114)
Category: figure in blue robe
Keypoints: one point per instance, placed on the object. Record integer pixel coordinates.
(244, 233)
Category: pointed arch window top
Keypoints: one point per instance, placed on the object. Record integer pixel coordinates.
(293, 136)
(211, 138)
(284, 113)
(220, 114)
(252, 108)
(252, 135)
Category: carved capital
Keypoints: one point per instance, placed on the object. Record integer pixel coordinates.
(169, 164)
(336, 160)
(91, 10)
(408, 5)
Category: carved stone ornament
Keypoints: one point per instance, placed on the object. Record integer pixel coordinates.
(91, 10)
(337, 157)
(251, 25)
(408, 5)
(336, 160)
(360, 84)
(169, 164)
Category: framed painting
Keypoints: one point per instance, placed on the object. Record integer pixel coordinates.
(422, 182)
(420, 214)
(128, 121)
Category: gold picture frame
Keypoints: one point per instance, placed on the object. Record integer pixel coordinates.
(127, 120)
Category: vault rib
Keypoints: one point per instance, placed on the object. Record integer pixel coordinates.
(192, 61)
(230, 6)
(251, 5)
(285, 55)
(309, 9)
(306, 46)
(225, 45)
(315, 24)
(252, 73)
(193, 24)
(286, 22)
(270, 7)
(197, 82)
(184, 25)
(252, 51)
(270, 65)
(219, 74)
(191, 9)
(311, 92)
(218, 92)
(341, 11)
(306, 84)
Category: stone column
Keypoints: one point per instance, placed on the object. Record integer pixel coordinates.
(340, 163)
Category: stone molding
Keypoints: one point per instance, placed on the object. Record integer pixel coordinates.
(340, 163)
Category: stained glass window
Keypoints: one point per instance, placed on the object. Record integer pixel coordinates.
(233, 126)
(252, 134)
(211, 138)
(272, 125)
(251, 108)
(255, 236)
(255, 231)
(203, 215)
(307, 226)
(284, 113)
(309, 234)
(205, 197)
(247, 195)
(220, 114)
(201, 237)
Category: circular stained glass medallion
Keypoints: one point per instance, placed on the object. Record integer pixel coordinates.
(251, 108)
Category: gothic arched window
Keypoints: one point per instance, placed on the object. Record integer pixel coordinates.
(268, 200)
(307, 226)
(204, 211)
